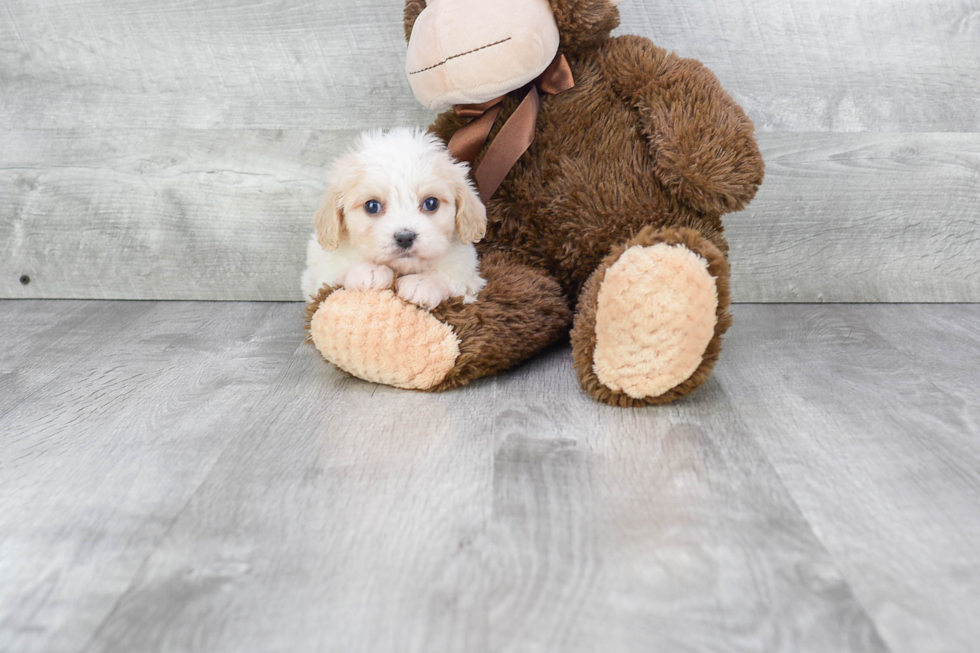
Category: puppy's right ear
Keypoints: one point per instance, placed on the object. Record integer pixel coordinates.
(330, 220)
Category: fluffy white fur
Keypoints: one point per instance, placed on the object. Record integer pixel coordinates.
(400, 170)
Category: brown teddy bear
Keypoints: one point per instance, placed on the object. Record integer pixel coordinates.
(606, 165)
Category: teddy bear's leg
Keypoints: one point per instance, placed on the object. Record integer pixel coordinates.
(378, 337)
(650, 318)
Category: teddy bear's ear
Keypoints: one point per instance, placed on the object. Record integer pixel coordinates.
(412, 10)
(583, 23)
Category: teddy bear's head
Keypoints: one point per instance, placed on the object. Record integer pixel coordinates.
(472, 51)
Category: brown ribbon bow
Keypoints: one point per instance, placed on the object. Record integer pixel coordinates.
(515, 136)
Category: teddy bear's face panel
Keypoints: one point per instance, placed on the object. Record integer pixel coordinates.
(472, 51)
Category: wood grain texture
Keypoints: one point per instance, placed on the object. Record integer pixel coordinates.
(161, 214)
(885, 65)
(176, 151)
(870, 416)
(111, 417)
(186, 477)
(861, 218)
(650, 530)
(110, 64)
(225, 215)
(835, 66)
(337, 522)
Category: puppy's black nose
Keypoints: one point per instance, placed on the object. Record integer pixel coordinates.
(405, 238)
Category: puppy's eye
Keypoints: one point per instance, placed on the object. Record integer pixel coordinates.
(430, 204)
(372, 207)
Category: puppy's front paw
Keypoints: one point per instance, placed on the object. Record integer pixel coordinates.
(364, 277)
(422, 290)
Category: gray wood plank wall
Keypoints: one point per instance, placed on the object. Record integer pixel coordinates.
(176, 151)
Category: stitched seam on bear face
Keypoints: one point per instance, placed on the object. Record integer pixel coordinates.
(461, 54)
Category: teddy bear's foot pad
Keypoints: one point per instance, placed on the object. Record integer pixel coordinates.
(655, 317)
(380, 338)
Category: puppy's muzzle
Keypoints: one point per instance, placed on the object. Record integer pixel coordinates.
(405, 239)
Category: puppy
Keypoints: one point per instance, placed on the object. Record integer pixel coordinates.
(398, 205)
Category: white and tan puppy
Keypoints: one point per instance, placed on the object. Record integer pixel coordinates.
(398, 206)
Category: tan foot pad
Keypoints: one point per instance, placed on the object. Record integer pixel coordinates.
(379, 338)
(655, 317)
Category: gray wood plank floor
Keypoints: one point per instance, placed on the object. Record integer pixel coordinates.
(190, 477)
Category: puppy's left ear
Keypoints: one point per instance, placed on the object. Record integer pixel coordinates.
(471, 214)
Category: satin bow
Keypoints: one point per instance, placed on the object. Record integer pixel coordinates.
(515, 136)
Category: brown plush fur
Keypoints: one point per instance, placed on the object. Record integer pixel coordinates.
(521, 311)
(412, 10)
(311, 307)
(647, 148)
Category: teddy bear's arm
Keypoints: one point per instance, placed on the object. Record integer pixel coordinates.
(702, 142)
